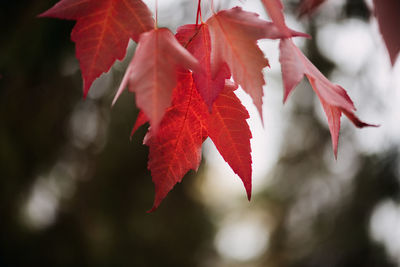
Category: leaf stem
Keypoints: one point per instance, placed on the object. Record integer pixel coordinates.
(156, 19)
(199, 13)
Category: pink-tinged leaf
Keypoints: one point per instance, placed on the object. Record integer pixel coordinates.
(196, 39)
(176, 147)
(234, 34)
(307, 7)
(228, 129)
(275, 11)
(152, 74)
(292, 68)
(387, 13)
(333, 115)
(102, 31)
(140, 121)
(334, 98)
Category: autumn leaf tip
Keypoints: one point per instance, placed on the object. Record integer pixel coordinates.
(153, 209)
(86, 88)
(156, 203)
(113, 101)
(300, 34)
(249, 195)
(48, 14)
(260, 110)
(393, 57)
(285, 97)
(247, 184)
(42, 15)
(363, 124)
(356, 121)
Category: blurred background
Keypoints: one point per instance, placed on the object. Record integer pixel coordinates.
(74, 190)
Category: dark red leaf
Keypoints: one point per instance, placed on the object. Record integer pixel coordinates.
(176, 147)
(196, 39)
(229, 131)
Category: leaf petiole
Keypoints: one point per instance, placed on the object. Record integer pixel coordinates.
(156, 16)
(199, 13)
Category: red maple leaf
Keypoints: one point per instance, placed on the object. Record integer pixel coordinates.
(229, 131)
(196, 39)
(176, 147)
(334, 98)
(102, 31)
(295, 65)
(234, 34)
(152, 74)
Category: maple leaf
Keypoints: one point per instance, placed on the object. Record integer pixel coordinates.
(196, 39)
(102, 31)
(334, 98)
(176, 147)
(229, 131)
(387, 13)
(152, 74)
(234, 34)
(295, 65)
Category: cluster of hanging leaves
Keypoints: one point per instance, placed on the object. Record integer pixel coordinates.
(184, 83)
